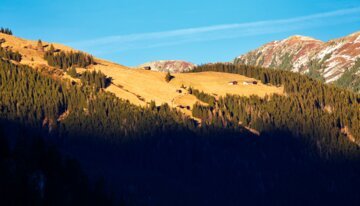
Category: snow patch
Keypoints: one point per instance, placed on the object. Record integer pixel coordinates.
(333, 78)
(302, 61)
(357, 40)
(330, 68)
(300, 37)
(329, 50)
(347, 57)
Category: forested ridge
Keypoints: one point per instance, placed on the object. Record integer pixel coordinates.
(53, 108)
(39, 100)
(309, 107)
(157, 156)
(65, 60)
(96, 79)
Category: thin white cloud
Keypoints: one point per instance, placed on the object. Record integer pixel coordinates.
(180, 36)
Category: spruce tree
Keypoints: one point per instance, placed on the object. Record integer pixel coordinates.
(168, 77)
(72, 72)
(40, 46)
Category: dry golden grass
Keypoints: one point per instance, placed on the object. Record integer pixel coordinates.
(185, 99)
(147, 85)
(142, 86)
(151, 85)
(28, 49)
(216, 83)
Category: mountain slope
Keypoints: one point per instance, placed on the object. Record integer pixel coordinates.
(327, 61)
(141, 86)
(152, 155)
(173, 66)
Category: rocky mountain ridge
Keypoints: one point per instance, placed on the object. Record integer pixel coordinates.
(173, 66)
(332, 61)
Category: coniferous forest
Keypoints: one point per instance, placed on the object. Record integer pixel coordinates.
(8, 53)
(157, 156)
(65, 60)
(72, 143)
(314, 107)
(33, 172)
(96, 79)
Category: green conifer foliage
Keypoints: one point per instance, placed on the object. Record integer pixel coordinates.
(10, 55)
(65, 60)
(310, 109)
(5, 31)
(168, 77)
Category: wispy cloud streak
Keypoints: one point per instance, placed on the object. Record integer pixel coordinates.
(226, 31)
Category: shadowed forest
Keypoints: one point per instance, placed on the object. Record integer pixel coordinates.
(72, 143)
(75, 144)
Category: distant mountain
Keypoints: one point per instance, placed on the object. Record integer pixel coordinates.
(333, 61)
(173, 66)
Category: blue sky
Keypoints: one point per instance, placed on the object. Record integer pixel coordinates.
(132, 32)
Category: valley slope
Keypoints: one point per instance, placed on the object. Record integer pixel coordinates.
(247, 150)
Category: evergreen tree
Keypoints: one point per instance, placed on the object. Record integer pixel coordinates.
(52, 48)
(300, 145)
(5, 31)
(66, 60)
(304, 111)
(40, 46)
(168, 77)
(10, 55)
(72, 72)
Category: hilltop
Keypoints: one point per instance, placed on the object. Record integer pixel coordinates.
(173, 66)
(244, 125)
(141, 86)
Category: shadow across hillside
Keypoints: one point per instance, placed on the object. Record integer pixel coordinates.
(223, 167)
(34, 172)
(157, 156)
(216, 166)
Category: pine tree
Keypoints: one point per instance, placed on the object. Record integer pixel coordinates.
(66, 60)
(51, 49)
(40, 46)
(168, 77)
(10, 55)
(6, 31)
(72, 72)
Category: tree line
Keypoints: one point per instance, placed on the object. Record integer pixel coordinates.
(65, 60)
(309, 108)
(8, 53)
(350, 79)
(96, 79)
(202, 96)
(167, 151)
(40, 100)
(5, 31)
